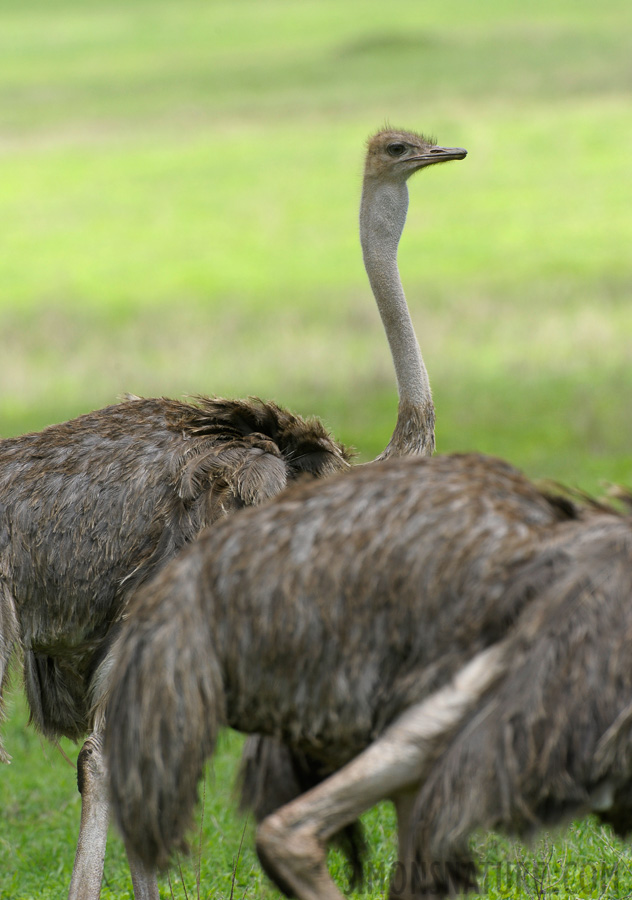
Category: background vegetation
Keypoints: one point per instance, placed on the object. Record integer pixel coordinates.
(179, 193)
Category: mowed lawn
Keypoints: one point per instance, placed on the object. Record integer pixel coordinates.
(179, 196)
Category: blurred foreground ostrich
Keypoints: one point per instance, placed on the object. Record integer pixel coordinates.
(91, 508)
(391, 614)
(552, 740)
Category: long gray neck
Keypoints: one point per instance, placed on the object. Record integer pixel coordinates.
(382, 217)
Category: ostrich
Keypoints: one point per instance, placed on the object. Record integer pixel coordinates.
(552, 739)
(386, 611)
(91, 508)
(391, 158)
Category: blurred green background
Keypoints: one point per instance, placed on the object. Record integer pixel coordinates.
(179, 189)
(179, 194)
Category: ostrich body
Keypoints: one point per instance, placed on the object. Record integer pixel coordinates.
(91, 508)
(551, 739)
(384, 610)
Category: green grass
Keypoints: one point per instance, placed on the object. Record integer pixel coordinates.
(179, 195)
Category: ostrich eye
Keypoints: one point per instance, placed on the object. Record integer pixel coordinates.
(396, 149)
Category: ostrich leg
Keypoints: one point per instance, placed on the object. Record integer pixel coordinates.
(404, 803)
(143, 879)
(292, 841)
(87, 872)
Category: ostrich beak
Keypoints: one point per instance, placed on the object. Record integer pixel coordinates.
(436, 155)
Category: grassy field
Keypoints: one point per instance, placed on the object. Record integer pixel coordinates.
(179, 194)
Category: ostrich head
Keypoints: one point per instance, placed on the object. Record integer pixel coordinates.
(395, 155)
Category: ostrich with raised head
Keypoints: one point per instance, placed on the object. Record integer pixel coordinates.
(270, 774)
(91, 508)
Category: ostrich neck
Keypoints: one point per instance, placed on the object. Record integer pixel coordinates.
(382, 218)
